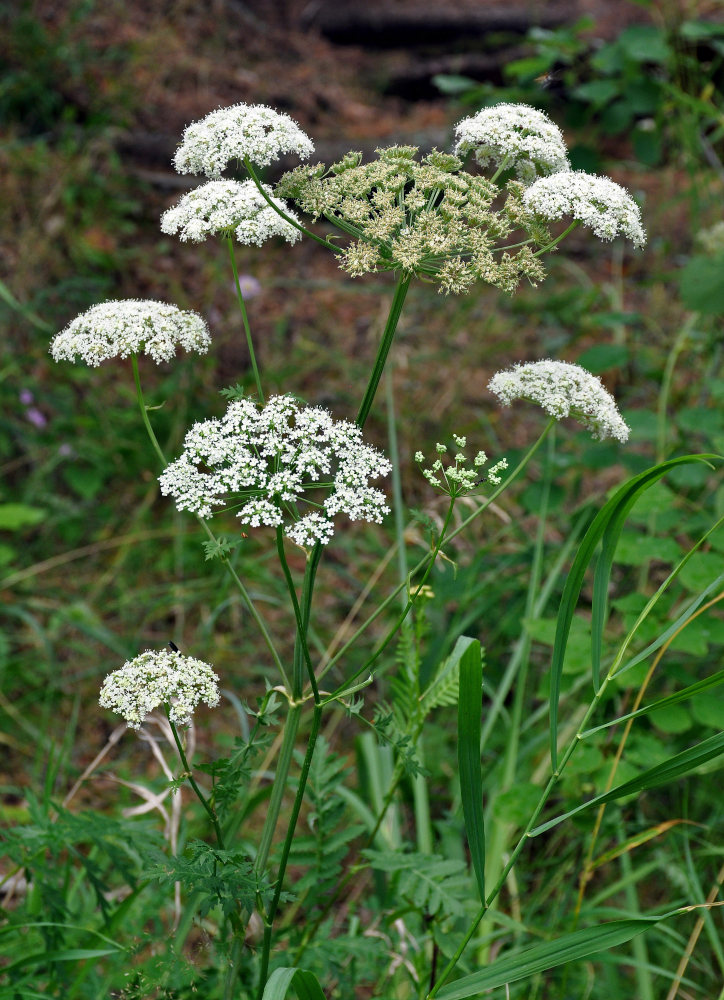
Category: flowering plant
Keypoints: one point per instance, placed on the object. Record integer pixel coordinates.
(276, 463)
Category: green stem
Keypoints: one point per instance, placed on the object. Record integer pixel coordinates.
(405, 611)
(279, 787)
(246, 597)
(397, 504)
(500, 831)
(144, 412)
(388, 335)
(245, 320)
(286, 849)
(293, 718)
(199, 794)
(557, 240)
(301, 629)
(301, 615)
(287, 218)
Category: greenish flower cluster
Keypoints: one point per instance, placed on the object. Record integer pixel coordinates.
(463, 476)
(422, 216)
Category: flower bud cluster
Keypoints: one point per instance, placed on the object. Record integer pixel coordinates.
(118, 329)
(563, 390)
(160, 678)
(272, 463)
(226, 208)
(426, 217)
(461, 477)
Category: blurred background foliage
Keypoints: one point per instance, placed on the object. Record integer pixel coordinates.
(94, 566)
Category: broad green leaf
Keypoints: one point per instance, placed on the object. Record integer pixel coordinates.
(605, 529)
(526, 962)
(602, 357)
(676, 766)
(305, 985)
(19, 515)
(702, 285)
(675, 626)
(701, 570)
(471, 772)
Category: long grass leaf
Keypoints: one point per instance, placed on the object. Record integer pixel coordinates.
(678, 765)
(608, 521)
(526, 962)
(471, 773)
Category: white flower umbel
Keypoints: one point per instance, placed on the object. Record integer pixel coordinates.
(120, 328)
(228, 207)
(160, 678)
(563, 390)
(598, 202)
(242, 131)
(269, 463)
(514, 135)
(463, 476)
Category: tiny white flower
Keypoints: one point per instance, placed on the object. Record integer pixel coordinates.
(563, 390)
(242, 131)
(266, 464)
(160, 678)
(514, 135)
(229, 207)
(117, 329)
(597, 202)
(419, 457)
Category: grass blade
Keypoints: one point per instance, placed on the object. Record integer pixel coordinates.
(471, 773)
(526, 962)
(605, 529)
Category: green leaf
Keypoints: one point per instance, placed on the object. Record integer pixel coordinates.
(676, 766)
(471, 773)
(701, 570)
(602, 357)
(637, 549)
(702, 284)
(695, 30)
(693, 691)
(526, 962)
(605, 529)
(85, 480)
(19, 515)
(644, 43)
(450, 83)
(305, 985)
(597, 92)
